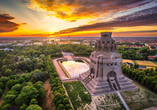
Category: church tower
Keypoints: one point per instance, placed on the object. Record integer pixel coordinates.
(105, 72)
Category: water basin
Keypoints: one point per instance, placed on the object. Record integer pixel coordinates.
(74, 68)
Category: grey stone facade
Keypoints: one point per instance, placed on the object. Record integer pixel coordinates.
(105, 73)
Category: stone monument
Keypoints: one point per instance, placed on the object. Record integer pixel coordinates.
(105, 72)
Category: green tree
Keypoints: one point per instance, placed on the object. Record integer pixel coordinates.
(16, 87)
(27, 93)
(66, 101)
(41, 96)
(4, 80)
(4, 67)
(11, 83)
(57, 97)
(60, 107)
(23, 107)
(68, 107)
(23, 65)
(5, 61)
(22, 58)
(136, 76)
(34, 107)
(16, 58)
(140, 77)
(1, 91)
(33, 101)
(155, 88)
(35, 60)
(1, 63)
(42, 56)
(9, 98)
(1, 85)
(5, 106)
(9, 56)
(27, 60)
(152, 86)
(39, 66)
(20, 81)
(8, 72)
(15, 76)
(144, 80)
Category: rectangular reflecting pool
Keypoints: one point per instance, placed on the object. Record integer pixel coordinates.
(75, 68)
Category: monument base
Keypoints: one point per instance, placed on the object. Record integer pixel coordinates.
(98, 87)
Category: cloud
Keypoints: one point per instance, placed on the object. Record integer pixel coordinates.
(6, 25)
(72, 10)
(147, 17)
(149, 31)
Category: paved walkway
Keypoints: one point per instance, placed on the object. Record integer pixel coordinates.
(59, 70)
(69, 58)
(84, 58)
(124, 103)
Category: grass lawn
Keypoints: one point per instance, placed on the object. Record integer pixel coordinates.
(148, 67)
(106, 102)
(140, 87)
(129, 61)
(138, 99)
(62, 69)
(78, 94)
(155, 63)
(146, 63)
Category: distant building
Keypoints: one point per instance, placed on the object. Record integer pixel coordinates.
(48, 42)
(138, 52)
(19, 44)
(56, 40)
(7, 49)
(93, 46)
(5, 44)
(152, 57)
(69, 38)
(128, 64)
(38, 43)
(142, 67)
(75, 42)
(86, 43)
(27, 41)
(67, 42)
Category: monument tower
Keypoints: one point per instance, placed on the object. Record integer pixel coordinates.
(105, 72)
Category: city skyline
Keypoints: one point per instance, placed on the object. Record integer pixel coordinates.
(57, 18)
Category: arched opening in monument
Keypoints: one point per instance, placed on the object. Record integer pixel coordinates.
(111, 78)
(92, 72)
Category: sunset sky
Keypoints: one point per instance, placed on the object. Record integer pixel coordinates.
(85, 18)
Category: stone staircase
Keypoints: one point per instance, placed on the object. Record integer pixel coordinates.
(125, 84)
(98, 87)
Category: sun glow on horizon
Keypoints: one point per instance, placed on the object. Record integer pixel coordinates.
(75, 19)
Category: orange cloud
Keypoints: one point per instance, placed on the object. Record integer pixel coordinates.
(6, 25)
(145, 17)
(72, 10)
